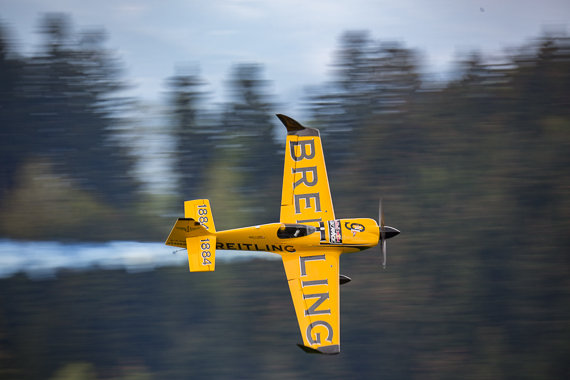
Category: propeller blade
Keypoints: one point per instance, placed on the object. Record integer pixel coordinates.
(382, 233)
(385, 232)
(381, 214)
(384, 254)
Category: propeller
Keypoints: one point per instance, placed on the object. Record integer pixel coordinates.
(386, 232)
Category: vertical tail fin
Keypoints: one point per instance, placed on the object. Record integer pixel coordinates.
(196, 233)
(200, 211)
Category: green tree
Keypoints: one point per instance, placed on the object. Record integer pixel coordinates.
(14, 133)
(61, 115)
(75, 371)
(247, 143)
(70, 87)
(361, 114)
(192, 134)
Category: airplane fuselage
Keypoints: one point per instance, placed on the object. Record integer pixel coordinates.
(342, 235)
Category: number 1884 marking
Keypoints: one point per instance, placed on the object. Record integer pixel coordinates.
(205, 251)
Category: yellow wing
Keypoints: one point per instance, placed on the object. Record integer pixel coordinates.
(314, 284)
(306, 196)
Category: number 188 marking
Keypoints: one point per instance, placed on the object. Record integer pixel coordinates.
(205, 251)
(203, 216)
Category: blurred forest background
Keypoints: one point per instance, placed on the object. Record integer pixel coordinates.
(474, 172)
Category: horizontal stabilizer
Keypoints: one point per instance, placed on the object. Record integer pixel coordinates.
(183, 229)
(202, 253)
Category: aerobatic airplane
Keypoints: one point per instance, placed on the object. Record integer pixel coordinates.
(308, 237)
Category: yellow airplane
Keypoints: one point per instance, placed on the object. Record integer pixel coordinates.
(308, 237)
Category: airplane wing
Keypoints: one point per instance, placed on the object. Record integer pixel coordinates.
(313, 276)
(306, 196)
(314, 284)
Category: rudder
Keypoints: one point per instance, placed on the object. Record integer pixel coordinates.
(200, 211)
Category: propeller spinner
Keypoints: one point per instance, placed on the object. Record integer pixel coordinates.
(386, 232)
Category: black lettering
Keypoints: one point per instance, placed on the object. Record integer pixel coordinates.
(303, 179)
(322, 297)
(307, 198)
(303, 152)
(277, 248)
(230, 245)
(257, 248)
(219, 245)
(239, 246)
(248, 246)
(290, 248)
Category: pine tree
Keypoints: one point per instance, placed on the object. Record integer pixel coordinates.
(248, 141)
(193, 136)
(69, 91)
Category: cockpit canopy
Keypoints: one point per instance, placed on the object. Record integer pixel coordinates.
(291, 231)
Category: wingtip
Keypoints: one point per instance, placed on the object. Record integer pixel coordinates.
(326, 350)
(295, 128)
(290, 124)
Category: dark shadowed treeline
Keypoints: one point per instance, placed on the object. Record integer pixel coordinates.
(63, 171)
(70, 143)
(474, 173)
